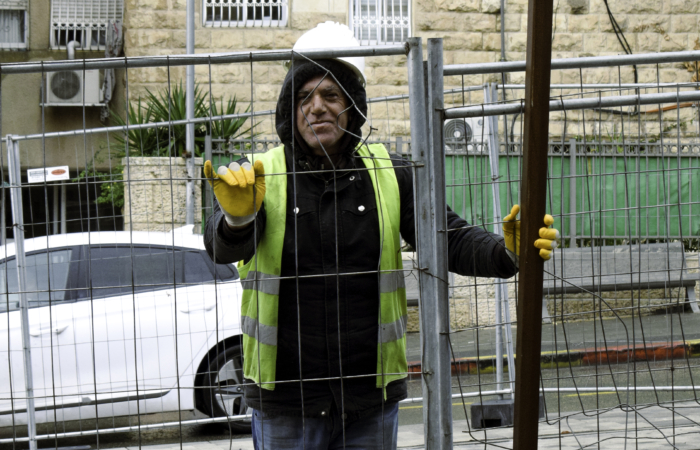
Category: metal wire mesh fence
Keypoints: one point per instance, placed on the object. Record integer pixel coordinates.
(113, 310)
(617, 367)
(119, 314)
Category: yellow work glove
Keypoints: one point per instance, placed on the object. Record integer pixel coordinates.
(239, 188)
(548, 238)
(511, 232)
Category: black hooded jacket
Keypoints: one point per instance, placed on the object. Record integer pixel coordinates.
(329, 294)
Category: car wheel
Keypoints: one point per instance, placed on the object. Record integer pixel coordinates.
(223, 388)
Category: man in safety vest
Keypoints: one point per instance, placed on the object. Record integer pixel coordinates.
(318, 224)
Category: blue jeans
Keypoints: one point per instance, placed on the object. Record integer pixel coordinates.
(375, 431)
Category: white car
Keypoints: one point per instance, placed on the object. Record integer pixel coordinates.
(127, 323)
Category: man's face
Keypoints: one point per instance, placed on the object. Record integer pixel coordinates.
(318, 116)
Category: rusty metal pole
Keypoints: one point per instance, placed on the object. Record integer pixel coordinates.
(533, 196)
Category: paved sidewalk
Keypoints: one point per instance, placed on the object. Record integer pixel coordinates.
(657, 427)
(410, 436)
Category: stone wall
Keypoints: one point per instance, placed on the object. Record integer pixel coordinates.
(472, 302)
(157, 27)
(471, 33)
(154, 194)
(472, 28)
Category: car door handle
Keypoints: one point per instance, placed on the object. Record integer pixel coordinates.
(36, 332)
(202, 307)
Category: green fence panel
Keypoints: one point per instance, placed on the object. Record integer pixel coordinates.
(616, 197)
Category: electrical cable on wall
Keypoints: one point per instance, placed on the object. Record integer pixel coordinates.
(628, 50)
(621, 37)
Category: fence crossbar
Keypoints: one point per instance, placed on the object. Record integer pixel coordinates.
(142, 126)
(575, 63)
(201, 59)
(579, 103)
(614, 86)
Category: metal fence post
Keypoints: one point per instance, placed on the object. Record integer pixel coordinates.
(572, 193)
(501, 291)
(427, 150)
(20, 258)
(440, 275)
(64, 226)
(493, 160)
(56, 188)
(419, 150)
(3, 236)
(208, 200)
(3, 232)
(190, 145)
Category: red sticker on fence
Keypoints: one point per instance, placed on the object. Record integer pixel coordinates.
(46, 174)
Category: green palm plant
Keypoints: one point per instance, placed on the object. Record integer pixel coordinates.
(170, 105)
(166, 105)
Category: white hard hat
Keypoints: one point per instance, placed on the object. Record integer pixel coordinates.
(333, 35)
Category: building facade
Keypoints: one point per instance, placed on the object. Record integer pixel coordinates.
(41, 30)
(471, 30)
(34, 30)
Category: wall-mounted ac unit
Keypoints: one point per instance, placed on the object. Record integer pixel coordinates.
(71, 88)
(461, 133)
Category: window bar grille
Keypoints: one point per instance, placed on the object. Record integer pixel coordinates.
(83, 21)
(245, 13)
(380, 21)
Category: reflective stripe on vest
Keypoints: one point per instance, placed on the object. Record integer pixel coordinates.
(263, 333)
(391, 281)
(261, 283)
(393, 331)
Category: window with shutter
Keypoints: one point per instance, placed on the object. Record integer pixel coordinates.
(13, 24)
(380, 21)
(84, 21)
(244, 13)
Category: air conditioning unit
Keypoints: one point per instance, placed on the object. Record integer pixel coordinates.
(461, 133)
(74, 88)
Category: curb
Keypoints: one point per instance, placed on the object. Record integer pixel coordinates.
(581, 357)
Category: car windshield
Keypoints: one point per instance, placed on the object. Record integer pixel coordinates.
(38, 289)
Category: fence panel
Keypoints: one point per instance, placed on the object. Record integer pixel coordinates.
(131, 326)
(601, 181)
(617, 366)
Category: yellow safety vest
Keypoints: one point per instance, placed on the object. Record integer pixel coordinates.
(261, 275)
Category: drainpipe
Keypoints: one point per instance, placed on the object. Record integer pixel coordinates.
(503, 76)
(503, 30)
(189, 90)
(72, 45)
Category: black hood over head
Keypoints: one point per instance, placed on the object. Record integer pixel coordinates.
(302, 72)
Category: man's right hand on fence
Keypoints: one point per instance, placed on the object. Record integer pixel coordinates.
(239, 188)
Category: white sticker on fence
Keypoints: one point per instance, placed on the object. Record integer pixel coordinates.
(48, 174)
